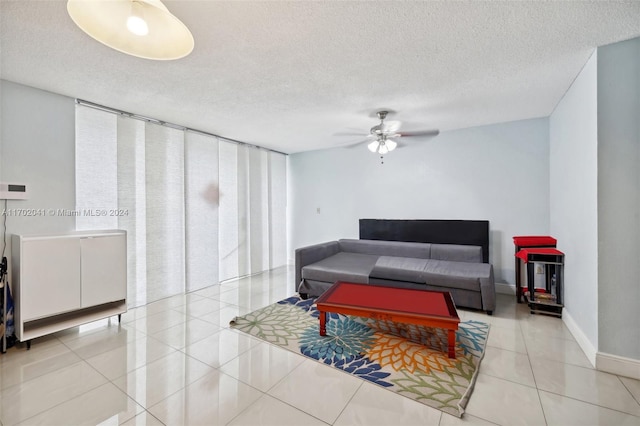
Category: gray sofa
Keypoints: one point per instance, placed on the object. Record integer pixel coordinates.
(455, 268)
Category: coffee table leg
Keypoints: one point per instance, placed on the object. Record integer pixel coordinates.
(323, 319)
(452, 344)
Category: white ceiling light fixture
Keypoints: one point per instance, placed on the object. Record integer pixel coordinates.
(142, 28)
(382, 145)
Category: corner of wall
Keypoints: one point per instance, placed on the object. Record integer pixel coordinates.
(573, 201)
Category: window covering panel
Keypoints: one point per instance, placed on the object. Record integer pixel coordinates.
(164, 172)
(229, 214)
(277, 209)
(96, 170)
(197, 209)
(133, 206)
(202, 200)
(259, 216)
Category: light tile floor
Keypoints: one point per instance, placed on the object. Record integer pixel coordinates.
(177, 362)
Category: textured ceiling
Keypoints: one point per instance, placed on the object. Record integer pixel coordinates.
(289, 75)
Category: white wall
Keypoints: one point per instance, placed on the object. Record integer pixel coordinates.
(619, 198)
(498, 173)
(38, 143)
(574, 201)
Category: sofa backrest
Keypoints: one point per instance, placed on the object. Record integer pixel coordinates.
(386, 248)
(433, 231)
(456, 253)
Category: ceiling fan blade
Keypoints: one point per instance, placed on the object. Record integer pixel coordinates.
(359, 134)
(391, 126)
(353, 145)
(423, 133)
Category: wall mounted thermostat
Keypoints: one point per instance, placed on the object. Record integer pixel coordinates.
(13, 191)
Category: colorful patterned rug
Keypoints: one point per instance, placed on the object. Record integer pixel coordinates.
(366, 349)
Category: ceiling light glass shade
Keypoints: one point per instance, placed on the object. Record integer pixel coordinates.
(383, 149)
(135, 22)
(390, 144)
(373, 146)
(137, 25)
(107, 21)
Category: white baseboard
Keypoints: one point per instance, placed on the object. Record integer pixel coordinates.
(584, 343)
(619, 365)
(505, 288)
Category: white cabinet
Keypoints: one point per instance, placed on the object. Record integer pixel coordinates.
(65, 280)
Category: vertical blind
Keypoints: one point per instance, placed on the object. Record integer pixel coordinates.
(197, 209)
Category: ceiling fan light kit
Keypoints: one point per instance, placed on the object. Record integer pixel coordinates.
(142, 28)
(382, 146)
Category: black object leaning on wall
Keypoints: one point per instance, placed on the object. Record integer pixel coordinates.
(467, 232)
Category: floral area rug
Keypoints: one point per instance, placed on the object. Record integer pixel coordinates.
(376, 351)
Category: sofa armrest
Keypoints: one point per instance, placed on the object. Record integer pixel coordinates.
(488, 291)
(311, 254)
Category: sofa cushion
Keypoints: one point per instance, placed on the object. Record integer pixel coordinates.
(343, 266)
(386, 248)
(456, 253)
(463, 275)
(399, 269)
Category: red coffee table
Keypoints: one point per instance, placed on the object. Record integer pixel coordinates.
(420, 307)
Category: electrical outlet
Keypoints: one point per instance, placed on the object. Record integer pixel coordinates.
(318, 210)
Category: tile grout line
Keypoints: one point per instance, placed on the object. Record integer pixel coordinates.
(149, 413)
(349, 402)
(82, 360)
(533, 374)
(628, 390)
(280, 381)
(590, 403)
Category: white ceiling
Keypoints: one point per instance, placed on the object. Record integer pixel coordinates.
(289, 75)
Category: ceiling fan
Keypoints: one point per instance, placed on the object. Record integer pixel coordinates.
(382, 138)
